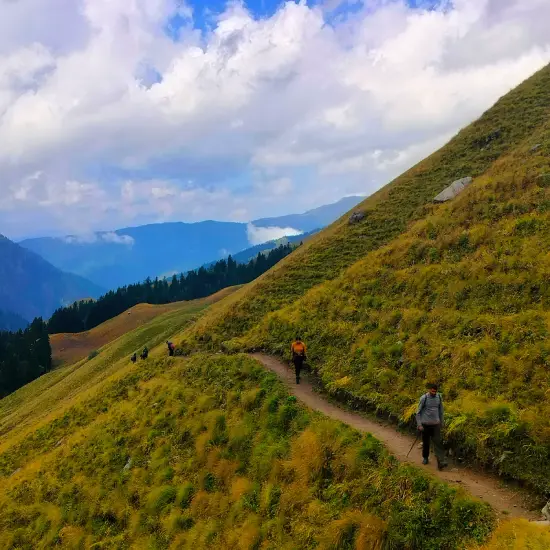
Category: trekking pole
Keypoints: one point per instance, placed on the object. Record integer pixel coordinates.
(414, 443)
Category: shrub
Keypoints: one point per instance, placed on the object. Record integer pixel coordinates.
(161, 497)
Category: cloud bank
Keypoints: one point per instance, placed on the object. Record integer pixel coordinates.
(92, 238)
(118, 112)
(260, 235)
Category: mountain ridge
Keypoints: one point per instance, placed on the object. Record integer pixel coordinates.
(115, 258)
(31, 287)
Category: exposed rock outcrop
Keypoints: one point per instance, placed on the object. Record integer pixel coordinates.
(453, 190)
(357, 216)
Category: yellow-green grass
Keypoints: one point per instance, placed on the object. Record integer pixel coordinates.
(212, 452)
(58, 388)
(462, 299)
(67, 348)
(519, 535)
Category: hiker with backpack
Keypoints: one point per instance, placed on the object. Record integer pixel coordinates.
(429, 420)
(134, 358)
(144, 353)
(298, 351)
(171, 348)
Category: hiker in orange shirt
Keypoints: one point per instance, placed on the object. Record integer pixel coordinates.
(298, 351)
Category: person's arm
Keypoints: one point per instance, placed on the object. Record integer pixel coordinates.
(419, 412)
(441, 412)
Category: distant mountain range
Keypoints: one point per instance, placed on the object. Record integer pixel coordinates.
(31, 287)
(116, 258)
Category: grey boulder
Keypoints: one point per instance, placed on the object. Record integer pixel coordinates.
(356, 217)
(453, 190)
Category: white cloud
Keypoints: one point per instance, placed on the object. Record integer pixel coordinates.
(259, 235)
(115, 238)
(106, 121)
(83, 238)
(92, 238)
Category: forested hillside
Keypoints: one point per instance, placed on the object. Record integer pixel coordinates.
(85, 315)
(417, 292)
(24, 356)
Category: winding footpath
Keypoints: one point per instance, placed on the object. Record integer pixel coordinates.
(483, 486)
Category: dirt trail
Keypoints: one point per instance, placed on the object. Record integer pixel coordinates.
(485, 487)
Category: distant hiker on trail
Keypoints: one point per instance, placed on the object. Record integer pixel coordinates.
(144, 353)
(133, 358)
(298, 351)
(171, 349)
(429, 419)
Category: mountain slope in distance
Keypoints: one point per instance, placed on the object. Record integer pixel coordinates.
(248, 254)
(31, 287)
(11, 322)
(114, 259)
(124, 256)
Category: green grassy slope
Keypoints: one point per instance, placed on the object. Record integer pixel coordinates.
(501, 129)
(204, 452)
(212, 452)
(463, 299)
(456, 293)
(57, 388)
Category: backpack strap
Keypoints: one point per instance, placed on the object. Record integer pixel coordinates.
(423, 402)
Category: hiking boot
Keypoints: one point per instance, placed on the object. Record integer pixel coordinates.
(441, 465)
(425, 461)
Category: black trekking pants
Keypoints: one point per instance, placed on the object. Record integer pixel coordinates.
(298, 364)
(170, 352)
(433, 433)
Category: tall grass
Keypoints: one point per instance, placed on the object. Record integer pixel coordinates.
(212, 452)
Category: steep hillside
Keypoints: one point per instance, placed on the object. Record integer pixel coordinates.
(460, 297)
(68, 348)
(211, 452)
(31, 287)
(511, 122)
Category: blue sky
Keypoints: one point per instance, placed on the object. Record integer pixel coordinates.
(116, 113)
